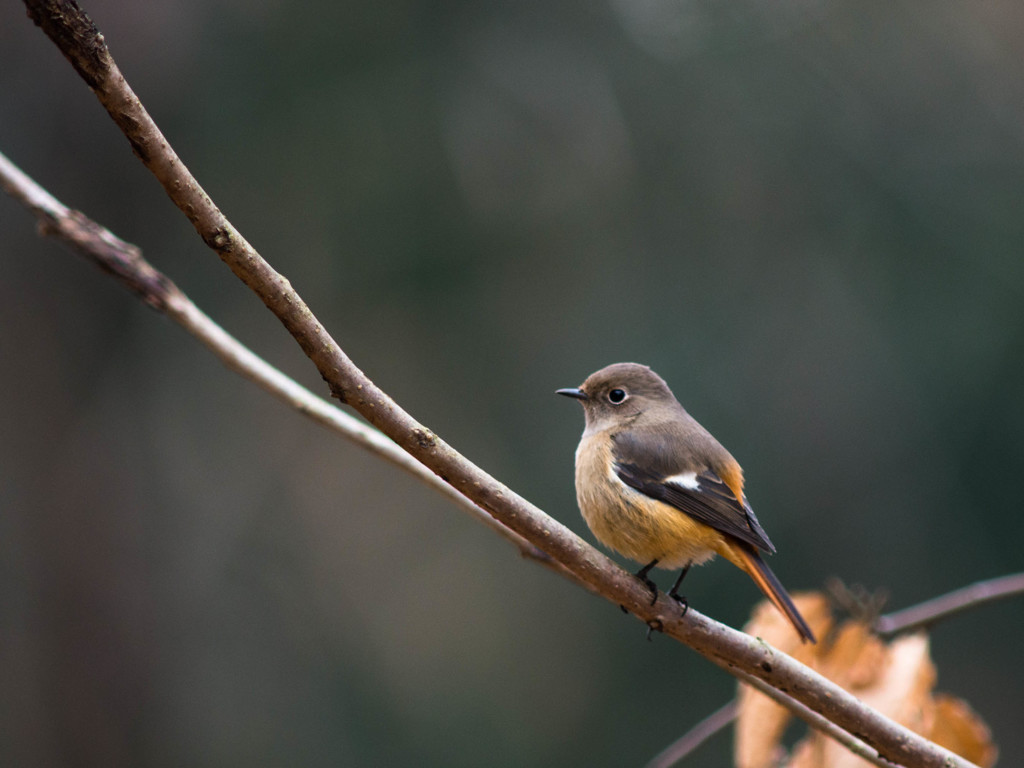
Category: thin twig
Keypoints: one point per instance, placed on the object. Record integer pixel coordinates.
(723, 717)
(81, 43)
(690, 741)
(927, 613)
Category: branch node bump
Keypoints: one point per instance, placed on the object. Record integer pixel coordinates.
(219, 240)
(424, 438)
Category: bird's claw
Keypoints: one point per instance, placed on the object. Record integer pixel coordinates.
(653, 587)
(652, 625)
(683, 602)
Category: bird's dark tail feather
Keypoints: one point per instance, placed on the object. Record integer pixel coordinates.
(769, 583)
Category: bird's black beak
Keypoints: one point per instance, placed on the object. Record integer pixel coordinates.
(575, 392)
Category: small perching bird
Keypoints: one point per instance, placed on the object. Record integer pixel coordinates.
(654, 485)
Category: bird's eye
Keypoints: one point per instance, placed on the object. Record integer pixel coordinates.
(616, 396)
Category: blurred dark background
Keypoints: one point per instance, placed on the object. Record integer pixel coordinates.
(806, 216)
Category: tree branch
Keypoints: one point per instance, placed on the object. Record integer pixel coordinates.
(927, 613)
(77, 37)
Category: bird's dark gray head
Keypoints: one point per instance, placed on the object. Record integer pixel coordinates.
(620, 393)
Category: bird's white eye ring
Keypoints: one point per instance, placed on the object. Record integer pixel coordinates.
(616, 396)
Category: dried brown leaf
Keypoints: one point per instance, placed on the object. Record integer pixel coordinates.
(958, 728)
(895, 678)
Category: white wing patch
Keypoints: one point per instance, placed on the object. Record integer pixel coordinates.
(686, 480)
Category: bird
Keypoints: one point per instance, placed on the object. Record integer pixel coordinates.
(655, 486)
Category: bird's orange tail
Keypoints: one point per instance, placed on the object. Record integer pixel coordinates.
(751, 562)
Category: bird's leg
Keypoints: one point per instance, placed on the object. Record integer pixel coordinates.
(674, 592)
(642, 575)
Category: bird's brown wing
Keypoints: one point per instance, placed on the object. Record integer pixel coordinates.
(710, 502)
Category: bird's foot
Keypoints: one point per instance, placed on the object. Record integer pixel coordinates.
(651, 586)
(652, 626)
(683, 602)
(647, 582)
(654, 589)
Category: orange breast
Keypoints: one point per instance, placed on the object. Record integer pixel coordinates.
(639, 527)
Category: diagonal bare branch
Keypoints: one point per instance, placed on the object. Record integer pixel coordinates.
(690, 741)
(929, 612)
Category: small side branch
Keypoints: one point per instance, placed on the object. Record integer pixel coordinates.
(693, 739)
(927, 613)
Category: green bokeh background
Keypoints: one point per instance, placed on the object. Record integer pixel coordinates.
(806, 216)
